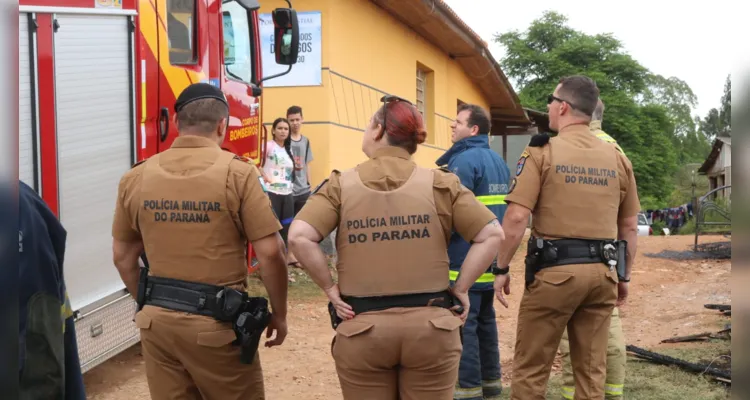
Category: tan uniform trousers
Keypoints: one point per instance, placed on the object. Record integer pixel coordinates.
(191, 357)
(581, 297)
(398, 354)
(616, 359)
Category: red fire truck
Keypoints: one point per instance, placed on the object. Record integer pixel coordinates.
(97, 84)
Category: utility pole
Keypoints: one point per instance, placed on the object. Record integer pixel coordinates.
(692, 196)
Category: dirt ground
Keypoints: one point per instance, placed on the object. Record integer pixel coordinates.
(666, 299)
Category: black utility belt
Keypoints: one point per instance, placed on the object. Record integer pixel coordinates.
(249, 315)
(219, 302)
(543, 253)
(359, 305)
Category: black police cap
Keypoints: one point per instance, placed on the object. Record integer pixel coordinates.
(199, 91)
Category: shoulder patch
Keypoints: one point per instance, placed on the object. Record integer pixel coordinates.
(512, 185)
(522, 162)
(539, 140)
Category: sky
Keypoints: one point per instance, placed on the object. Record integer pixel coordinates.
(668, 37)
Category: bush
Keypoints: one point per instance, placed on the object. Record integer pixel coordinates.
(688, 228)
(658, 227)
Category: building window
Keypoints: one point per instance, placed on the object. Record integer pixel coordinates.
(238, 55)
(180, 32)
(421, 85)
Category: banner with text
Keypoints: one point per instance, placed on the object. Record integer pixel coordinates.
(306, 72)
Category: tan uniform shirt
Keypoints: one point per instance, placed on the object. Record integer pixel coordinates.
(577, 186)
(240, 211)
(388, 170)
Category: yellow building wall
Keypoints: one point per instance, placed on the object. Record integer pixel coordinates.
(366, 52)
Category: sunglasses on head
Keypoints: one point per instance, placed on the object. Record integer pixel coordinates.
(387, 99)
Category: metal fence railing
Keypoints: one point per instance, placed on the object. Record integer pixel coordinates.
(720, 216)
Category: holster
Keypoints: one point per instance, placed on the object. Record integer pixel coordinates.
(249, 315)
(543, 253)
(622, 255)
(249, 325)
(140, 297)
(335, 319)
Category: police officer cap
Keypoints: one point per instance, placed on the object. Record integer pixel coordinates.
(199, 91)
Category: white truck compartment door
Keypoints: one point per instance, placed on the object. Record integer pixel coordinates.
(94, 145)
(26, 120)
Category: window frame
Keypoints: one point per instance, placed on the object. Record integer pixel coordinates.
(251, 28)
(193, 36)
(421, 101)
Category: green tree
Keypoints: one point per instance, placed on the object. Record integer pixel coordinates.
(648, 114)
(718, 122)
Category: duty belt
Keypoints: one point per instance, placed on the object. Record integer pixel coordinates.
(249, 315)
(360, 305)
(190, 297)
(572, 251)
(550, 253)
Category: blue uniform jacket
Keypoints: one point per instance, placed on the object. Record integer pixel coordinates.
(49, 367)
(485, 173)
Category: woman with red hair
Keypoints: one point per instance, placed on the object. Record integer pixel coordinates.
(396, 318)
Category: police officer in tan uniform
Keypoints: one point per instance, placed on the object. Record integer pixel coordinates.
(616, 356)
(193, 208)
(584, 201)
(397, 336)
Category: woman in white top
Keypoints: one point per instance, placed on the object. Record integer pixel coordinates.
(278, 174)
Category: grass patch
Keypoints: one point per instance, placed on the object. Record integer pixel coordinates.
(645, 380)
(301, 286)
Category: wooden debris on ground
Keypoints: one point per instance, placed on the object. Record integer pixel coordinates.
(685, 365)
(720, 307)
(722, 334)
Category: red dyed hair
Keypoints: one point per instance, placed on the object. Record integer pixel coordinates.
(405, 126)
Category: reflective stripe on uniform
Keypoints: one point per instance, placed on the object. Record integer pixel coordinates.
(66, 311)
(614, 390)
(605, 137)
(484, 278)
(467, 393)
(497, 383)
(568, 392)
(492, 200)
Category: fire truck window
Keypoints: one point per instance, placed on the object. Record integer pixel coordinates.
(180, 22)
(237, 47)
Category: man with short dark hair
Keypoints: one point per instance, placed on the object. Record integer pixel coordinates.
(585, 204)
(486, 174)
(193, 208)
(302, 154)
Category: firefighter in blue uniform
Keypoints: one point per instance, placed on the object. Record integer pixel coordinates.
(49, 367)
(485, 173)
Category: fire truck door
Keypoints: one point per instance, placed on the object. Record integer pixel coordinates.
(239, 72)
(183, 57)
